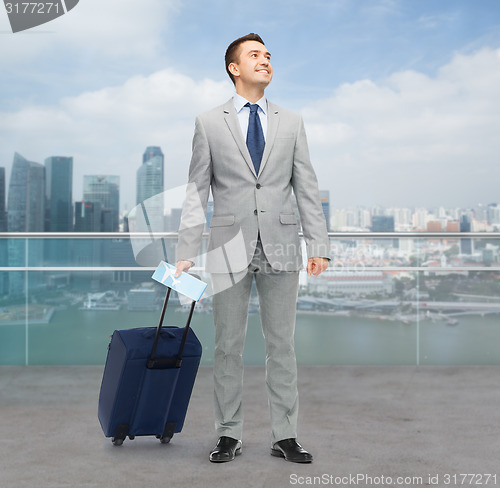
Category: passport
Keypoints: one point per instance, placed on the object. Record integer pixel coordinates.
(185, 284)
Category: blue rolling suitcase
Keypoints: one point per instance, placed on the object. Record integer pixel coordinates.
(148, 380)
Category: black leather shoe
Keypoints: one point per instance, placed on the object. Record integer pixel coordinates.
(292, 451)
(225, 450)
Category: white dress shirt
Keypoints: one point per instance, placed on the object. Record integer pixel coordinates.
(244, 114)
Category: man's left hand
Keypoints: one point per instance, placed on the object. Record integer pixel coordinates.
(316, 266)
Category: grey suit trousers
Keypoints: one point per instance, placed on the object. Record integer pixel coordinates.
(277, 291)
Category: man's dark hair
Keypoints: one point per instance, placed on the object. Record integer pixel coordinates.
(232, 52)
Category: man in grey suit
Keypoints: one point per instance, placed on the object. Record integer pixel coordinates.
(252, 154)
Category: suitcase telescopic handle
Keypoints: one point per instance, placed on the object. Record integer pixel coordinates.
(166, 362)
(169, 362)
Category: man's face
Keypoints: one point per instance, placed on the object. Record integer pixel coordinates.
(254, 65)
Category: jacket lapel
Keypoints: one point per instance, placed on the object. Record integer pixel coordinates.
(234, 126)
(272, 129)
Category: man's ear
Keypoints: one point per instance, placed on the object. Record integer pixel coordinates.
(233, 69)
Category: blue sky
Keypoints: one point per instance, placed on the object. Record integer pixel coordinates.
(397, 96)
(321, 44)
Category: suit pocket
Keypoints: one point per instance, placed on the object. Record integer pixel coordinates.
(289, 219)
(222, 221)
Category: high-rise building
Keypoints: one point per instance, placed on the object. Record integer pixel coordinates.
(440, 213)
(88, 252)
(435, 226)
(324, 196)
(402, 218)
(104, 189)
(493, 214)
(150, 174)
(208, 217)
(364, 218)
(454, 213)
(26, 199)
(3, 242)
(3, 215)
(420, 218)
(25, 213)
(59, 194)
(58, 207)
(480, 212)
(338, 218)
(466, 245)
(150, 215)
(149, 179)
(351, 217)
(87, 217)
(151, 152)
(378, 211)
(382, 223)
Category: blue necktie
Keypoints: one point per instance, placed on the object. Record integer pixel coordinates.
(255, 137)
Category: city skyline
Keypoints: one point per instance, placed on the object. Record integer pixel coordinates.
(54, 207)
(146, 185)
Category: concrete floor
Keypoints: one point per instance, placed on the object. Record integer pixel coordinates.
(357, 421)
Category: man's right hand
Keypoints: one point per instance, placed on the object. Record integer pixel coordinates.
(181, 266)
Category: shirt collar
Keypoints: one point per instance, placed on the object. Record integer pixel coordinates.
(240, 102)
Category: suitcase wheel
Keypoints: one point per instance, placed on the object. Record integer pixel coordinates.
(131, 437)
(168, 432)
(120, 434)
(164, 439)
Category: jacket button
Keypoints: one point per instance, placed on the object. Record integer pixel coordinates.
(255, 212)
(258, 186)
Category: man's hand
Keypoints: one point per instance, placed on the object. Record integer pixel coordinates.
(316, 266)
(182, 265)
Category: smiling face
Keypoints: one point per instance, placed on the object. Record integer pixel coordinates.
(253, 68)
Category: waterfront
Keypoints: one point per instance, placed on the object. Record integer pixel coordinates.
(80, 337)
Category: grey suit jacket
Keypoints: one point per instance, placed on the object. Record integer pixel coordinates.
(246, 204)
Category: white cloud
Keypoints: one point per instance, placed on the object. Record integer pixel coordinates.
(412, 137)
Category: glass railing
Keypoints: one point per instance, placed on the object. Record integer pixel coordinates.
(387, 298)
